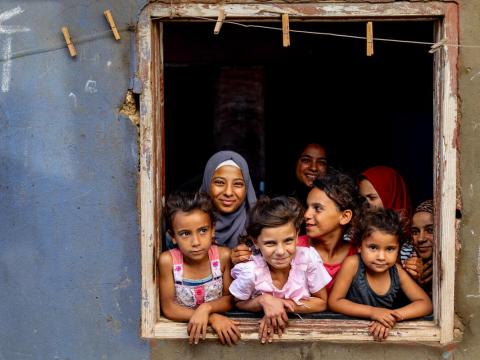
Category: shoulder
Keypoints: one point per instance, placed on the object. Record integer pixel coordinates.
(224, 253)
(351, 263)
(166, 259)
(244, 270)
(401, 272)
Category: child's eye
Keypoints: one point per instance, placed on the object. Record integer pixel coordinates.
(218, 182)
(184, 233)
(203, 231)
(288, 241)
(304, 160)
(239, 184)
(415, 231)
(391, 248)
(372, 247)
(429, 230)
(318, 208)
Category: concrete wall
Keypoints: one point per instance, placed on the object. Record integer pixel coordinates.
(69, 251)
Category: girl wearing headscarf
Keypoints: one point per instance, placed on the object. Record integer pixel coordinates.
(384, 187)
(227, 179)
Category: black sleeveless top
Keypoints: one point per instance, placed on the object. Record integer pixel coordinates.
(360, 291)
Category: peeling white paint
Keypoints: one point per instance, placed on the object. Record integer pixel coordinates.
(474, 76)
(7, 65)
(6, 50)
(91, 87)
(74, 99)
(11, 29)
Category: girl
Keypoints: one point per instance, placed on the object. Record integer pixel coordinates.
(384, 187)
(227, 180)
(332, 203)
(194, 276)
(281, 277)
(368, 283)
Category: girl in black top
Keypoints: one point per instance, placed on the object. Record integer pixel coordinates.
(367, 284)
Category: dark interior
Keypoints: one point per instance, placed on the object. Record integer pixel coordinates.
(244, 91)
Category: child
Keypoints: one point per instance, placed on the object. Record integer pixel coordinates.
(332, 204)
(281, 277)
(194, 276)
(368, 283)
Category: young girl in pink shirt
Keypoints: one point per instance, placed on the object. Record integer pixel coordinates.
(281, 278)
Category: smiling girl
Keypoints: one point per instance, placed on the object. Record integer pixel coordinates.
(367, 284)
(281, 278)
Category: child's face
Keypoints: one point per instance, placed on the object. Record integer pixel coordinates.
(322, 216)
(379, 251)
(311, 163)
(422, 234)
(366, 189)
(193, 233)
(227, 189)
(278, 245)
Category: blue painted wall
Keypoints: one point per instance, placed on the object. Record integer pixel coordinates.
(69, 244)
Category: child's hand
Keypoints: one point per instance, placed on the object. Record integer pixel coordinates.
(426, 273)
(265, 333)
(378, 331)
(276, 318)
(240, 253)
(197, 326)
(414, 267)
(226, 329)
(386, 317)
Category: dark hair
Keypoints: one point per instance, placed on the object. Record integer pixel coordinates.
(341, 189)
(186, 202)
(387, 221)
(274, 212)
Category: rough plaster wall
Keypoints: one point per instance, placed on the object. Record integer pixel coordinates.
(467, 292)
(69, 252)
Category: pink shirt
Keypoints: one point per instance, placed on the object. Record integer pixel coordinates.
(332, 269)
(307, 275)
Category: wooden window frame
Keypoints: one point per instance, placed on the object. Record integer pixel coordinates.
(152, 173)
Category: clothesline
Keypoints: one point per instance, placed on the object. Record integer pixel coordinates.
(99, 35)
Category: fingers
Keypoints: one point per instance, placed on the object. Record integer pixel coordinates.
(221, 337)
(198, 334)
(398, 316)
(290, 307)
(204, 331)
(426, 280)
(191, 338)
(264, 334)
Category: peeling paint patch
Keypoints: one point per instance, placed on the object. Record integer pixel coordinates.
(91, 87)
(123, 284)
(475, 76)
(115, 324)
(74, 99)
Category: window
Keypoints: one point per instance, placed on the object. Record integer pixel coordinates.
(444, 18)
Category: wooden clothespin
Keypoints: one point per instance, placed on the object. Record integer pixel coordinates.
(71, 48)
(219, 23)
(435, 47)
(285, 30)
(111, 22)
(369, 38)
